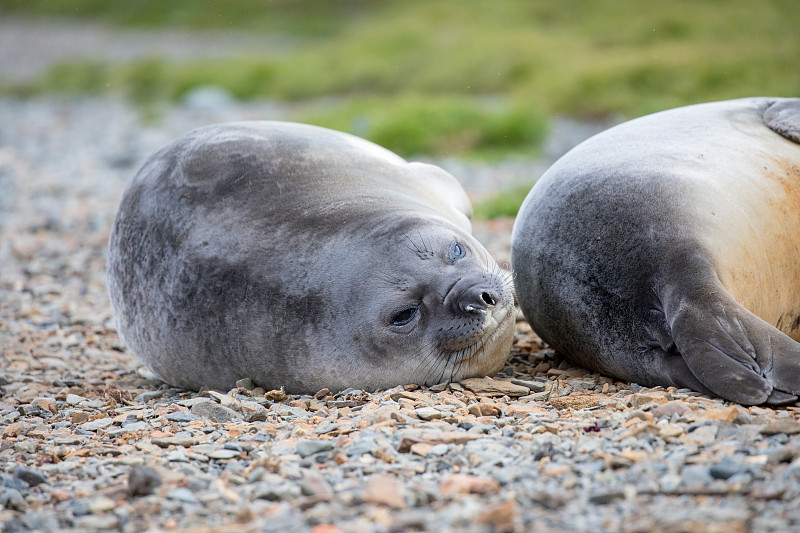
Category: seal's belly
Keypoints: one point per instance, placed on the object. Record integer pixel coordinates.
(756, 238)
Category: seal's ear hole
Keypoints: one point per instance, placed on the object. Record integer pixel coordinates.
(457, 251)
(404, 316)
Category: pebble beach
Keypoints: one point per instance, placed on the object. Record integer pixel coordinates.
(90, 443)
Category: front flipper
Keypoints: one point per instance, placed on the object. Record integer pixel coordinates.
(734, 353)
(783, 117)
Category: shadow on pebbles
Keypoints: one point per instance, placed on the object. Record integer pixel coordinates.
(88, 444)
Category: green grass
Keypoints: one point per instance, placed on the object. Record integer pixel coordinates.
(436, 125)
(503, 204)
(452, 76)
(583, 58)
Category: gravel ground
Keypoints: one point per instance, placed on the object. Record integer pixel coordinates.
(89, 444)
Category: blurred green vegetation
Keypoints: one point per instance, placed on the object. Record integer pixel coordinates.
(505, 203)
(446, 77)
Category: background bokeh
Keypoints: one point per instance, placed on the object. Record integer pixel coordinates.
(438, 78)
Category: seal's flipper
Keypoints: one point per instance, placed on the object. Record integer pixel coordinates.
(735, 354)
(783, 117)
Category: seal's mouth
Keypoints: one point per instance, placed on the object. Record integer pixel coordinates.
(487, 335)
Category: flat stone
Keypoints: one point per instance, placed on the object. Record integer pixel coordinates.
(727, 468)
(31, 477)
(223, 399)
(74, 399)
(484, 409)
(258, 415)
(101, 504)
(671, 408)
(456, 484)
(288, 410)
(134, 426)
(693, 476)
(246, 384)
(308, 447)
(314, 484)
(384, 490)
(670, 431)
(224, 454)
(502, 516)
(493, 387)
(704, 435)
(182, 494)
(440, 449)
(178, 440)
(215, 412)
(182, 416)
(79, 417)
(12, 499)
(535, 386)
(432, 437)
(639, 399)
(786, 426)
(428, 413)
(94, 425)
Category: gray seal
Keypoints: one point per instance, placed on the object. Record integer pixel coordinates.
(302, 258)
(665, 251)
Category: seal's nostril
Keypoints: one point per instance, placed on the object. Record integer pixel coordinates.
(487, 298)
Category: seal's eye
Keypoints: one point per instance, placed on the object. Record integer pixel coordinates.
(457, 251)
(403, 317)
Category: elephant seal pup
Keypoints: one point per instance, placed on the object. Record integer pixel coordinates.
(302, 258)
(666, 251)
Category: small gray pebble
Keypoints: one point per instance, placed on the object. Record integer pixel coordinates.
(308, 447)
(134, 426)
(182, 416)
(74, 399)
(535, 386)
(246, 384)
(259, 415)
(182, 494)
(224, 454)
(604, 498)
(143, 480)
(694, 475)
(13, 483)
(215, 412)
(31, 477)
(726, 468)
(12, 499)
(440, 449)
(147, 396)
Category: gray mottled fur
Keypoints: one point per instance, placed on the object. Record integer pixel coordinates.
(280, 252)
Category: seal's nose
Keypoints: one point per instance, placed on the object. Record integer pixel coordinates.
(476, 299)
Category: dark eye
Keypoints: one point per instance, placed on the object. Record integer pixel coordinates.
(457, 251)
(401, 318)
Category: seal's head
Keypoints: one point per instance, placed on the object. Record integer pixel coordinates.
(302, 258)
(431, 306)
